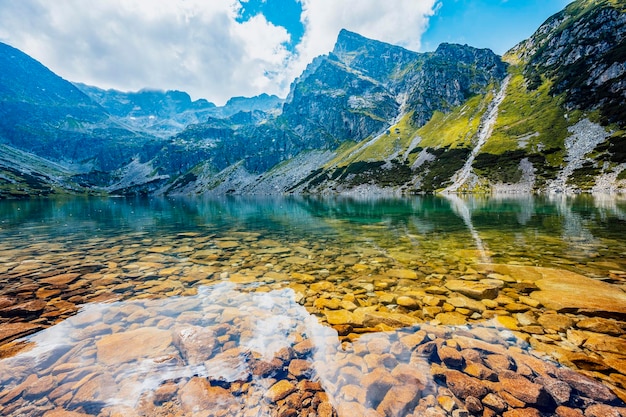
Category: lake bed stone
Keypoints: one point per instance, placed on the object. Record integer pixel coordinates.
(131, 345)
(473, 289)
(279, 391)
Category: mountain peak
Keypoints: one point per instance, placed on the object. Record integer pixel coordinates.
(350, 42)
(373, 58)
(345, 34)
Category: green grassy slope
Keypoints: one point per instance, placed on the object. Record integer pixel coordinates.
(393, 142)
(457, 128)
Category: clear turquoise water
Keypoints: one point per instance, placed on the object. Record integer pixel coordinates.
(250, 265)
(581, 230)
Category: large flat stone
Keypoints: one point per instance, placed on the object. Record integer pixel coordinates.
(61, 280)
(147, 342)
(10, 331)
(566, 291)
(28, 308)
(473, 289)
(563, 290)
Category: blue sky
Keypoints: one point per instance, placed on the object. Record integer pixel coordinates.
(494, 24)
(217, 49)
(285, 13)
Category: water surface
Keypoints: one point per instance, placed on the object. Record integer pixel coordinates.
(266, 306)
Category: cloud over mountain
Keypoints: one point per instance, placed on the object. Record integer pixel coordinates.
(193, 45)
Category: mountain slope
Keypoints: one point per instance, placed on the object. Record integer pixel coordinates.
(43, 114)
(581, 49)
(354, 95)
(158, 113)
(559, 99)
(367, 117)
(166, 113)
(551, 131)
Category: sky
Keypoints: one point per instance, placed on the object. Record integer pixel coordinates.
(218, 49)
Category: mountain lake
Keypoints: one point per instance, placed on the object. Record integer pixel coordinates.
(311, 306)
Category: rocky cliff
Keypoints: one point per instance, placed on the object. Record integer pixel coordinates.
(352, 95)
(555, 125)
(581, 49)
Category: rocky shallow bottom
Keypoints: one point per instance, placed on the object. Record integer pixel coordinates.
(230, 352)
(197, 324)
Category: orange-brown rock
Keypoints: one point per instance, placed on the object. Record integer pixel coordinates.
(473, 289)
(398, 401)
(61, 280)
(27, 308)
(523, 389)
(64, 413)
(586, 386)
(10, 331)
(463, 385)
(146, 342)
(377, 383)
(279, 390)
(198, 395)
(561, 290)
(522, 412)
(196, 343)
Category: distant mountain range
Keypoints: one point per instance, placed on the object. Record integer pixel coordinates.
(367, 117)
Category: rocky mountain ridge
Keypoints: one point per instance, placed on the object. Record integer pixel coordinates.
(166, 113)
(367, 117)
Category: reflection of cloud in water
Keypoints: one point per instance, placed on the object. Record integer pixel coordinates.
(125, 346)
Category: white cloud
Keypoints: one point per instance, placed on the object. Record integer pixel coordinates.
(399, 22)
(194, 45)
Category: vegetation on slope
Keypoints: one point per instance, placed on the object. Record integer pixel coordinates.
(457, 128)
(394, 141)
(530, 119)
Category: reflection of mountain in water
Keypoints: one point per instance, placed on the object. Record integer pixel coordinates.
(463, 211)
(420, 226)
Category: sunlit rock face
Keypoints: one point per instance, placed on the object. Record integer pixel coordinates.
(361, 86)
(580, 48)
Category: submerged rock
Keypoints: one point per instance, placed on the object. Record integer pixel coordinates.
(473, 289)
(145, 342)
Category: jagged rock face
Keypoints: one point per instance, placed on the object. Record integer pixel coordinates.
(378, 60)
(334, 104)
(246, 137)
(449, 77)
(263, 102)
(581, 48)
(575, 62)
(355, 91)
